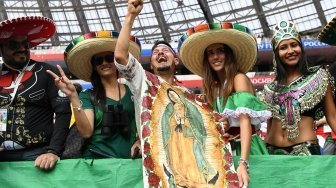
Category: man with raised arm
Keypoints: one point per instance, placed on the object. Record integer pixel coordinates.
(181, 142)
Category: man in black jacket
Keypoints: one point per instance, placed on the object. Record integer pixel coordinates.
(37, 113)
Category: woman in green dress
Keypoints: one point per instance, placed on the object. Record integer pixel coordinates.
(224, 53)
(105, 113)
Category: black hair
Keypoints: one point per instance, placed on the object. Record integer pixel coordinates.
(281, 72)
(163, 42)
(78, 87)
(98, 87)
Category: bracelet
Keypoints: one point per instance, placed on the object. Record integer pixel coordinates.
(245, 163)
(78, 108)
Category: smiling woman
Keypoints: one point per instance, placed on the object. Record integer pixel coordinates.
(105, 112)
(298, 97)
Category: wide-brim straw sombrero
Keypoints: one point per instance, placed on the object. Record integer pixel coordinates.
(328, 33)
(79, 52)
(194, 42)
(37, 29)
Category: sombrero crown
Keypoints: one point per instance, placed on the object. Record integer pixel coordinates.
(328, 33)
(37, 29)
(194, 42)
(79, 52)
(284, 30)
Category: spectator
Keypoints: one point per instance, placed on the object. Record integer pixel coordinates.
(298, 96)
(29, 96)
(104, 114)
(181, 144)
(222, 57)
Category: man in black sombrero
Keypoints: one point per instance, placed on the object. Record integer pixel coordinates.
(29, 97)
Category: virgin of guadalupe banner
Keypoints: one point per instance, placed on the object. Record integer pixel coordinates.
(183, 146)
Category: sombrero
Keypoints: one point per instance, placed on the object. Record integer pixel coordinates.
(79, 52)
(328, 33)
(193, 43)
(37, 29)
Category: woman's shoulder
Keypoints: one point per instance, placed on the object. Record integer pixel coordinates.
(242, 83)
(241, 76)
(316, 69)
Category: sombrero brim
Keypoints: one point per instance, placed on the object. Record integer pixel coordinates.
(243, 45)
(78, 59)
(328, 33)
(37, 29)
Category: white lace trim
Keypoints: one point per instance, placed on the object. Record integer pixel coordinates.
(257, 117)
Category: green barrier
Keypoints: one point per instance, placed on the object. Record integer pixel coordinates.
(265, 172)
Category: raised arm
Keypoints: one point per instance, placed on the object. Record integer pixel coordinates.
(122, 46)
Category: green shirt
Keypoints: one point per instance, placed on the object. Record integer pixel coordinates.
(116, 146)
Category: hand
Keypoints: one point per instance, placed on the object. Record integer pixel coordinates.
(225, 123)
(243, 175)
(135, 6)
(136, 145)
(46, 161)
(230, 137)
(63, 82)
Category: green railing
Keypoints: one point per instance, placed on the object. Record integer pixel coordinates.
(265, 171)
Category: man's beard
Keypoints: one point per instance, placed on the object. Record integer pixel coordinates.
(16, 65)
(163, 69)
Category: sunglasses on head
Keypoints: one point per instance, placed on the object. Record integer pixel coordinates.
(98, 60)
(15, 45)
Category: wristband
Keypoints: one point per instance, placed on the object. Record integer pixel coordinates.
(245, 163)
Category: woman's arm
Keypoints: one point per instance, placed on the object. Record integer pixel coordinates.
(84, 118)
(243, 84)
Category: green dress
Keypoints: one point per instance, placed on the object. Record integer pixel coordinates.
(244, 103)
(115, 146)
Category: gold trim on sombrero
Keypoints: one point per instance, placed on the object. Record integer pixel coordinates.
(239, 38)
(79, 52)
(284, 30)
(328, 33)
(37, 29)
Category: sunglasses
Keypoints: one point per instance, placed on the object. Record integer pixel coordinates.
(98, 60)
(15, 45)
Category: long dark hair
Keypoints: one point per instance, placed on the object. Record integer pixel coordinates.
(210, 79)
(98, 87)
(281, 72)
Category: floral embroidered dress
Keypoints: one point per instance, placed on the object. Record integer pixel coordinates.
(181, 142)
(244, 103)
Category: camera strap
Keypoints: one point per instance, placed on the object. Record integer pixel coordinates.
(119, 94)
